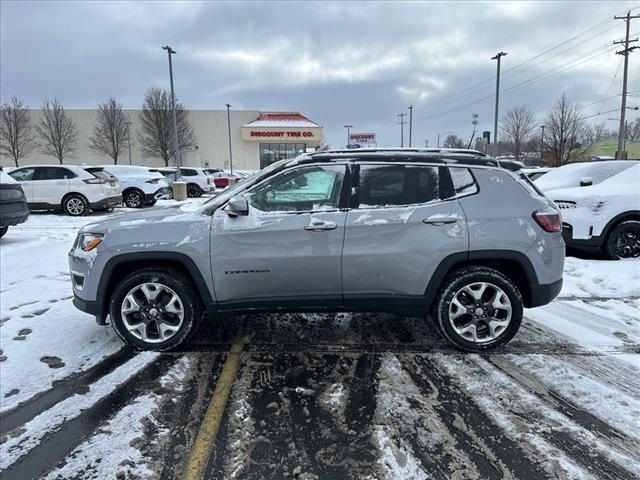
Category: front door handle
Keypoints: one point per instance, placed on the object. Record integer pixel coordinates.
(320, 226)
(439, 221)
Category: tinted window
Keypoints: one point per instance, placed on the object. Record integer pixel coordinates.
(24, 174)
(397, 185)
(52, 173)
(188, 172)
(463, 181)
(303, 189)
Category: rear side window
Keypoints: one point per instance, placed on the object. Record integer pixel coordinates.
(53, 173)
(389, 185)
(188, 172)
(463, 181)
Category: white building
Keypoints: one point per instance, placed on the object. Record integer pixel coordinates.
(257, 139)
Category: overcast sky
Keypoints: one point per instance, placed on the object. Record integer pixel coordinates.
(338, 63)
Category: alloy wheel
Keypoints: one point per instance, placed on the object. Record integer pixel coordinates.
(75, 206)
(133, 200)
(480, 312)
(152, 312)
(627, 242)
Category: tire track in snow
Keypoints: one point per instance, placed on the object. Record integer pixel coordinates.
(76, 383)
(541, 430)
(609, 434)
(494, 455)
(55, 444)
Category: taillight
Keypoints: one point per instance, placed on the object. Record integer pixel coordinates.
(549, 220)
(153, 180)
(94, 181)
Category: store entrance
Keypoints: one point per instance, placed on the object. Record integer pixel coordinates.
(272, 152)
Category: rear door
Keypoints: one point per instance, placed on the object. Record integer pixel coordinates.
(51, 184)
(406, 220)
(288, 248)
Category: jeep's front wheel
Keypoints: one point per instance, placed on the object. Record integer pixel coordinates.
(154, 309)
(478, 309)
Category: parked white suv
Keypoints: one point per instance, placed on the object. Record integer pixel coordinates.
(581, 174)
(198, 182)
(140, 186)
(603, 217)
(67, 187)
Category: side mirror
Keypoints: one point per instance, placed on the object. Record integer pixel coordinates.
(237, 206)
(586, 181)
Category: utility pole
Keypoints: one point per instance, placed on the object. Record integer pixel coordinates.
(229, 127)
(410, 123)
(621, 154)
(541, 142)
(127, 123)
(348, 127)
(495, 121)
(176, 143)
(402, 122)
(426, 144)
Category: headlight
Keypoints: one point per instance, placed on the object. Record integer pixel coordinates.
(89, 241)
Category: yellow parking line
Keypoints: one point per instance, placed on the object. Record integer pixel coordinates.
(205, 439)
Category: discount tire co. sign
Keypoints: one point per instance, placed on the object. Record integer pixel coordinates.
(362, 138)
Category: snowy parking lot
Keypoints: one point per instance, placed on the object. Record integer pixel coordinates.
(315, 396)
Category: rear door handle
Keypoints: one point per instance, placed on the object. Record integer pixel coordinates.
(320, 226)
(440, 221)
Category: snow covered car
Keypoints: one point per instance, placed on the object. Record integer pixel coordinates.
(581, 174)
(605, 216)
(140, 186)
(67, 187)
(13, 203)
(198, 182)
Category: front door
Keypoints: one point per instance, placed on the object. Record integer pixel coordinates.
(402, 227)
(51, 184)
(288, 248)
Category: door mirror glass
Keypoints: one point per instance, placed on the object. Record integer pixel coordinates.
(586, 181)
(237, 206)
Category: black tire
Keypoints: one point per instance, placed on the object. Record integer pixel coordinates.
(3, 231)
(181, 286)
(170, 193)
(623, 241)
(151, 203)
(194, 190)
(453, 286)
(75, 205)
(133, 198)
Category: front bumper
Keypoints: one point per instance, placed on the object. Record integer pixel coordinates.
(107, 202)
(591, 243)
(161, 193)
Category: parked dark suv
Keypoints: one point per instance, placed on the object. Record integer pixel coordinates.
(403, 231)
(13, 203)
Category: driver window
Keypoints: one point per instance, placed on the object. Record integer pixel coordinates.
(304, 189)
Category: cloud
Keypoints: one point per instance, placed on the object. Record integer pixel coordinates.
(342, 62)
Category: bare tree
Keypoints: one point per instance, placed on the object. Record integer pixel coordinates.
(110, 133)
(156, 136)
(517, 126)
(16, 136)
(564, 123)
(453, 141)
(632, 132)
(56, 130)
(592, 134)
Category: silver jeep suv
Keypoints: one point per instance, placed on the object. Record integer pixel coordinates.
(402, 231)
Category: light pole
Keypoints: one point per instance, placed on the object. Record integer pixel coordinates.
(495, 120)
(402, 122)
(229, 127)
(127, 123)
(541, 142)
(176, 143)
(410, 123)
(443, 133)
(348, 127)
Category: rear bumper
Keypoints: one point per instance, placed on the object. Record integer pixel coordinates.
(543, 294)
(13, 213)
(107, 202)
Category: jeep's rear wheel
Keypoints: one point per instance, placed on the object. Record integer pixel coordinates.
(154, 309)
(478, 309)
(624, 241)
